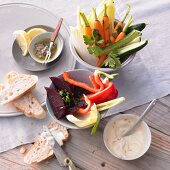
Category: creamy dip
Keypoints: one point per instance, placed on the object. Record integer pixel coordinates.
(127, 147)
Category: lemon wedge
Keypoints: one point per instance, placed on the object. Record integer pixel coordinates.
(34, 32)
(90, 119)
(23, 41)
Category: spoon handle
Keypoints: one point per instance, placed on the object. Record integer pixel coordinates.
(55, 33)
(147, 110)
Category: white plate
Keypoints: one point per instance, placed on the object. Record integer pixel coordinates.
(18, 16)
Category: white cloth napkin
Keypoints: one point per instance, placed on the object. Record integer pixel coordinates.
(19, 130)
(145, 78)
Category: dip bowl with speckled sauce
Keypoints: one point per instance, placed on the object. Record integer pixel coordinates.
(129, 147)
(40, 44)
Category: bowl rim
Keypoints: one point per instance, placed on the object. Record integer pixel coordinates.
(59, 40)
(144, 124)
(87, 65)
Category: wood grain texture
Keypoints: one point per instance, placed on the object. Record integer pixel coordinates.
(159, 116)
(89, 152)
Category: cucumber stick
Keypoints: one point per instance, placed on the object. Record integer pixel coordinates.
(109, 104)
(138, 27)
(125, 52)
(131, 36)
(136, 40)
(132, 48)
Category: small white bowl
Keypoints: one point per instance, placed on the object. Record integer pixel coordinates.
(108, 131)
(59, 41)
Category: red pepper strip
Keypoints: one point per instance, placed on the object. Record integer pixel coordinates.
(67, 78)
(87, 109)
(99, 82)
(109, 93)
(92, 79)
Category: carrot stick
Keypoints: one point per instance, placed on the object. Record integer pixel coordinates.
(119, 26)
(101, 60)
(88, 30)
(122, 34)
(98, 25)
(120, 23)
(106, 25)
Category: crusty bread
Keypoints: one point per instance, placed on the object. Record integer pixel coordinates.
(30, 106)
(41, 149)
(60, 132)
(18, 85)
(2, 87)
(10, 76)
(27, 103)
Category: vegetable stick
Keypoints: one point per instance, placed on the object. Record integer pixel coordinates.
(119, 26)
(106, 25)
(98, 26)
(101, 60)
(88, 30)
(122, 34)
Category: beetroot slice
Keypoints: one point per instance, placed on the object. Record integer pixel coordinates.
(60, 84)
(56, 103)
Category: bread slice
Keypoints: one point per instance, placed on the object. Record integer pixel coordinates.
(18, 85)
(10, 76)
(59, 132)
(27, 103)
(30, 106)
(38, 152)
(41, 149)
(2, 87)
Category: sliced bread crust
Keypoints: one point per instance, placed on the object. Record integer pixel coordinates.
(41, 149)
(27, 102)
(18, 85)
(38, 152)
(30, 106)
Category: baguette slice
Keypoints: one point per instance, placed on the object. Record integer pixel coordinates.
(17, 86)
(27, 103)
(2, 87)
(30, 106)
(10, 76)
(41, 149)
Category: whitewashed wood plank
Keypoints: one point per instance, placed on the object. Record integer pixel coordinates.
(89, 153)
(159, 116)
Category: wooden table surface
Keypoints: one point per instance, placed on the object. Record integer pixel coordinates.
(89, 152)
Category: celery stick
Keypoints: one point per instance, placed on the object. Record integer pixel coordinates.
(109, 104)
(128, 38)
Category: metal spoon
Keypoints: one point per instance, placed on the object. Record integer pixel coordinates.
(147, 110)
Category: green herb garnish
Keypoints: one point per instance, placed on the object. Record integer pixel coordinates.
(65, 96)
(94, 39)
(112, 60)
